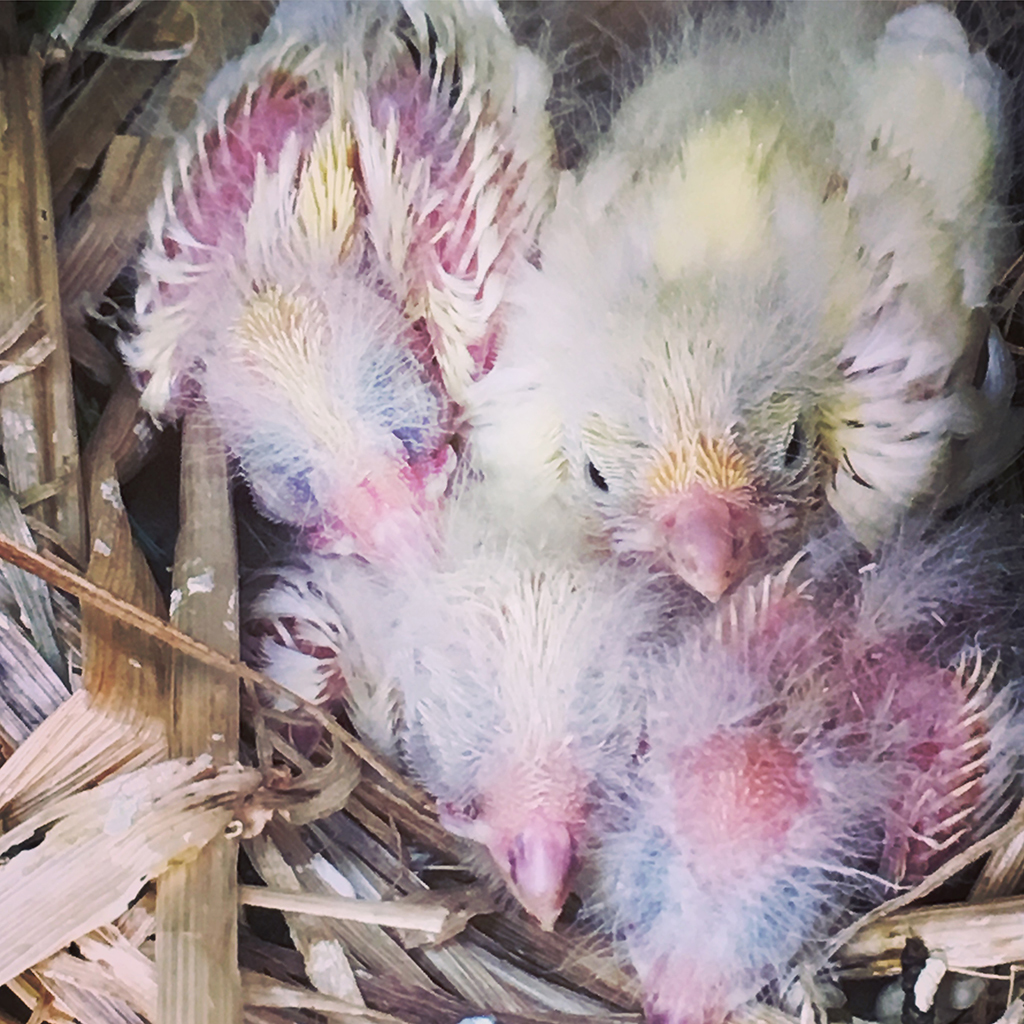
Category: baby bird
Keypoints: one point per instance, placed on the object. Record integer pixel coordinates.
(499, 674)
(800, 755)
(766, 289)
(328, 262)
(521, 709)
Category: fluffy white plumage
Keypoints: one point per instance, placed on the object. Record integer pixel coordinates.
(523, 710)
(502, 672)
(808, 743)
(767, 285)
(323, 627)
(329, 259)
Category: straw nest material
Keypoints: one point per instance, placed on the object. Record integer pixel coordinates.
(149, 819)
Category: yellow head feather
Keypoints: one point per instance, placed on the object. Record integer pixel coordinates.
(711, 462)
(285, 337)
(325, 206)
(714, 202)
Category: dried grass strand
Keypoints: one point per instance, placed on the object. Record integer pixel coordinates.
(63, 577)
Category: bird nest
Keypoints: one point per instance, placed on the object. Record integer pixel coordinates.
(155, 815)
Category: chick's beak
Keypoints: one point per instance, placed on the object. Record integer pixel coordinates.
(385, 517)
(541, 859)
(709, 537)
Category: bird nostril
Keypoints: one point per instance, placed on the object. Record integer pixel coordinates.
(516, 855)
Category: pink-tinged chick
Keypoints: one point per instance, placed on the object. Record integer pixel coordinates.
(750, 829)
(927, 670)
(301, 274)
(807, 745)
(338, 426)
(521, 703)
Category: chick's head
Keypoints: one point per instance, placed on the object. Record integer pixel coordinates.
(523, 708)
(532, 818)
(338, 425)
(708, 479)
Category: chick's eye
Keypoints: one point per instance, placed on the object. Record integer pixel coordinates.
(596, 478)
(796, 447)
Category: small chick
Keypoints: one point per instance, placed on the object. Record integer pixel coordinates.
(522, 711)
(328, 262)
(749, 833)
(799, 757)
(765, 290)
(500, 672)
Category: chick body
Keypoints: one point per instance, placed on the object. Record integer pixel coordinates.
(522, 707)
(328, 262)
(500, 673)
(765, 290)
(808, 746)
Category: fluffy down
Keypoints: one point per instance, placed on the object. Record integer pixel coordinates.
(501, 672)
(801, 752)
(522, 707)
(765, 290)
(328, 262)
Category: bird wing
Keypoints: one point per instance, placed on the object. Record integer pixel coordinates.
(321, 626)
(458, 174)
(922, 379)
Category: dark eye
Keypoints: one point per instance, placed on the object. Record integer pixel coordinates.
(796, 447)
(595, 477)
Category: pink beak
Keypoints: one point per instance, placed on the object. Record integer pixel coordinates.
(709, 538)
(541, 859)
(385, 520)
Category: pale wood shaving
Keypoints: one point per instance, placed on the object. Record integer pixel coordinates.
(324, 954)
(966, 935)
(37, 409)
(259, 990)
(78, 863)
(30, 991)
(90, 988)
(31, 359)
(81, 744)
(197, 902)
(68, 30)
(29, 689)
(370, 946)
(120, 666)
(20, 325)
(42, 490)
(1014, 1013)
(30, 593)
(414, 915)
